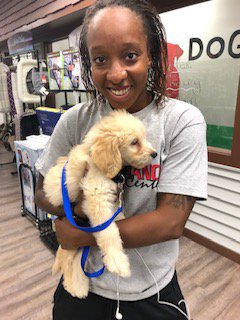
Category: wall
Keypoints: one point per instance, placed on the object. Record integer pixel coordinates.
(218, 218)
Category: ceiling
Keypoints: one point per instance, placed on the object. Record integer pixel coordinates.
(59, 28)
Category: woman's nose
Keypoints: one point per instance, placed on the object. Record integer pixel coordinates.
(116, 74)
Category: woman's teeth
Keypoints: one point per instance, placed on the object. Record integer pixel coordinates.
(120, 92)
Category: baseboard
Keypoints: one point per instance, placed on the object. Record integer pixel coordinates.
(234, 256)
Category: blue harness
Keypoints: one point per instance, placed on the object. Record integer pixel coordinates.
(89, 229)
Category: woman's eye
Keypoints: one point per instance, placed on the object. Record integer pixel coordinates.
(131, 56)
(134, 142)
(100, 60)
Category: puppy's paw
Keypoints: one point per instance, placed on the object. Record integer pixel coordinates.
(78, 283)
(81, 293)
(79, 290)
(68, 286)
(117, 262)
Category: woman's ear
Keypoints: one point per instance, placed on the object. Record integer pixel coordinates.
(106, 156)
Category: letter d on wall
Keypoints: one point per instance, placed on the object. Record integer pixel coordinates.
(199, 42)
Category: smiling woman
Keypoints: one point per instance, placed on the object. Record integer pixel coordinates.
(123, 53)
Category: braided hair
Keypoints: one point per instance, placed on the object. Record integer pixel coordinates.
(156, 41)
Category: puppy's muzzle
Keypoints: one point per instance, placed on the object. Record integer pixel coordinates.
(153, 154)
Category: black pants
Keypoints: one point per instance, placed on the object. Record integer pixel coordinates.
(95, 307)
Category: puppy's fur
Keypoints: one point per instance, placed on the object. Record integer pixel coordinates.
(116, 141)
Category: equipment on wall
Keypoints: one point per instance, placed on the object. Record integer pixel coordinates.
(37, 79)
(23, 68)
(21, 83)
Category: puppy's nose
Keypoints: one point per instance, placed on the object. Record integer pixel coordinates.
(154, 154)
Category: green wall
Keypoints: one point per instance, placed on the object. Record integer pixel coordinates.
(219, 136)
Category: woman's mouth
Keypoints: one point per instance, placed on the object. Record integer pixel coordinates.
(121, 92)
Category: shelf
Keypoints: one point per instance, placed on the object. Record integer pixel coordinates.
(50, 240)
(19, 54)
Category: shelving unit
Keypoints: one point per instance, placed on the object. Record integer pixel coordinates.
(65, 93)
(42, 223)
(32, 213)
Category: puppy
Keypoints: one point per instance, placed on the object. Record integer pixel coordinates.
(116, 141)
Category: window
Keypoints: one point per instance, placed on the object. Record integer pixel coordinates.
(204, 67)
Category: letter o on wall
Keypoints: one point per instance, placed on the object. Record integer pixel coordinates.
(219, 53)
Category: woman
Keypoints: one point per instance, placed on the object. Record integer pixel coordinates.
(123, 53)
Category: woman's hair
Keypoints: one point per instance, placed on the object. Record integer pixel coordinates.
(156, 41)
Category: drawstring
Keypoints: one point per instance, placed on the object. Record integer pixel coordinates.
(118, 315)
(186, 315)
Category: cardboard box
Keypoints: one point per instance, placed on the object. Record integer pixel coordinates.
(28, 151)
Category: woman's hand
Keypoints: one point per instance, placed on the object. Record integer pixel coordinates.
(71, 238)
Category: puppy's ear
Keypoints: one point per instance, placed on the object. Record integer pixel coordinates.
(106, 155)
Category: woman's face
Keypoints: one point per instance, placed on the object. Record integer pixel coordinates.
(119, 58)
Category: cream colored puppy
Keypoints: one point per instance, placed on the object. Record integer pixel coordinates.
(116, 141)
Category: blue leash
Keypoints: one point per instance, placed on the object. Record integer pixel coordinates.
(100, 227)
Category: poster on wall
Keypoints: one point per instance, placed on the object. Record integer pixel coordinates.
(64, 70)
(204, 63)
(72, 71)
(55, 70)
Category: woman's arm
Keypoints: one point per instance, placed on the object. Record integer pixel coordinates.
(165, 223)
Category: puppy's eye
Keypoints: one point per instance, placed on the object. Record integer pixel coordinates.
(134, 142)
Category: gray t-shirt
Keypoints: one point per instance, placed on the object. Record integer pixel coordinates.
(177, 131)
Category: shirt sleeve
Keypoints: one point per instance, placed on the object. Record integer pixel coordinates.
(58, 145)
(184, 170)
